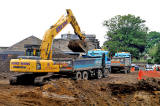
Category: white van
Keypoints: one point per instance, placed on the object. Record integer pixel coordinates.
(149, 67)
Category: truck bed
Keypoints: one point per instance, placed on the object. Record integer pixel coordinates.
(69, 64)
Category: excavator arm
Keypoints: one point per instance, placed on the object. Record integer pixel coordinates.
(46, 45)
(75, 25)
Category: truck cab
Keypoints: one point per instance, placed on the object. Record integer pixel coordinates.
(100, 53)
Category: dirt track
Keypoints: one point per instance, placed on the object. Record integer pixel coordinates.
(116, 90)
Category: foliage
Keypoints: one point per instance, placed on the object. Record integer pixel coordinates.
(139, 60)
(126, 33)
(157, 54)
(152, 39)
(154, 53)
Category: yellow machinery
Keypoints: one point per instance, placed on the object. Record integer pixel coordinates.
(33, 66)
(46, 46)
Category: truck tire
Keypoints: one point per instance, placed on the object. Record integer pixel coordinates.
(106, 73)
(78, 75)
(99, 74)
(125, 71)
(109, 70)
(85, 75)
(128, 70)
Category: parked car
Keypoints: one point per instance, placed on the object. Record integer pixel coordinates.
(149, 67)
(136, 68)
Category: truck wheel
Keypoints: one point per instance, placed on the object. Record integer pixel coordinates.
(85, 75)
(106, 73)
(78, 76)
(109, 70)
(125, 71)
(99, 74)
(128, 71)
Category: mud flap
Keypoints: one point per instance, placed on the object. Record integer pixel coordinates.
(104, 71)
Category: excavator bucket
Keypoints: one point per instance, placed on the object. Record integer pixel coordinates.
(78, 46)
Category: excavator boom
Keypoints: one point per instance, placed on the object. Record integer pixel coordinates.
(46, 46)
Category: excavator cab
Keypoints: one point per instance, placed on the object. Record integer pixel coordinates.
(32, 50)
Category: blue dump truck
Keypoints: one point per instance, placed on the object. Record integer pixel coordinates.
(94, 64)
(121, 62)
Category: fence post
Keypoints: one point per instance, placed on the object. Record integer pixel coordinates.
(140, 75)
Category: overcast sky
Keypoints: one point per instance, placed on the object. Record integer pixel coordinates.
(22, 18)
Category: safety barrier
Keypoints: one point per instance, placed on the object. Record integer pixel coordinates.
(153, 73)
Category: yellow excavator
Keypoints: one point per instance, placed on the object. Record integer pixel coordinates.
(31, 67)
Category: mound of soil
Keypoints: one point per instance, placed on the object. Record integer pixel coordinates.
(116, 90)
(62, 55)
(149, 85)
(78, 46)
(98, 93)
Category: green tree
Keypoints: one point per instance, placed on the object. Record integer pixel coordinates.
(157, 54)
(152, 53)
(152, 39)
(126, 33)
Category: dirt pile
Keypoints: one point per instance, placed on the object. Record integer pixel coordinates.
(98, 92)
(68, 92)
(116, 90)
(62, 55)
(145, 92)
(150, 84)
(78, 46)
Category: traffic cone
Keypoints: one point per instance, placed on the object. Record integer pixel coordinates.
(132, 69)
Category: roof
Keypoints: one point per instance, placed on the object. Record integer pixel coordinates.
(13, 52)
(20, 45)
(3, 48)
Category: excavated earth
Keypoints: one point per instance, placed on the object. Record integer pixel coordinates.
(117, 90)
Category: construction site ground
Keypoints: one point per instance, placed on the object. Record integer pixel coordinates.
(116, 90)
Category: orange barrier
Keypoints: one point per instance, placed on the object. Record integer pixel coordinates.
(142, 74)
(132, 69)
